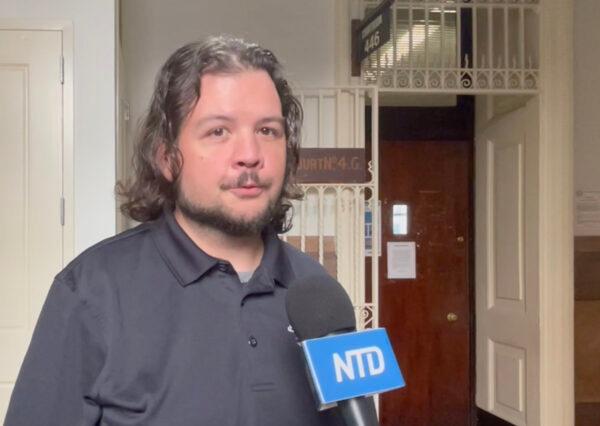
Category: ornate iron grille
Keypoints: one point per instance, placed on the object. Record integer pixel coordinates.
(458, 46)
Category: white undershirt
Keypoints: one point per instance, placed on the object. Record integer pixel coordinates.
(245, 276)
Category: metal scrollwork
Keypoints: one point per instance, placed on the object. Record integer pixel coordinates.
(435, 80)
(364, 316)
(498, 80)
(402, 79)
(530, 81)
(482, 80)
(514, 81)
(450, 81)
(466, 80)
(386, 80)
(419, 79)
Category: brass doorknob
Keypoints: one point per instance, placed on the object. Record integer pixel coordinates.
(452, 317)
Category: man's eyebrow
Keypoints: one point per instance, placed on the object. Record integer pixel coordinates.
(277, 119)
(216, 117)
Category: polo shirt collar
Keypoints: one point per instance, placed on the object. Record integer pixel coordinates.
(189, 263)
(275, 260)
(184, 258)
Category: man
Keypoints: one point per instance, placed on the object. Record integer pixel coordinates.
(181, 320)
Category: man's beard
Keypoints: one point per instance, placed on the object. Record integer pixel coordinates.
(218, 218)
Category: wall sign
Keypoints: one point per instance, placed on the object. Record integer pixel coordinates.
(374, 31)
(331, 165)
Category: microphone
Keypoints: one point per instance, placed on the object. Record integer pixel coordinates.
(345, 367)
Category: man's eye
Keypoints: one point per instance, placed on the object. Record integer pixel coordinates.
(269, 131)
(218, 132)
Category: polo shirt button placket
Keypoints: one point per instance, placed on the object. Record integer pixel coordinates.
(252, 341)
(223, 267)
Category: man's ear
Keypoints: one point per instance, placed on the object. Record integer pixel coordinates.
(164, 162)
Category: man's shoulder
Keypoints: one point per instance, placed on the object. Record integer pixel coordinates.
(301, 263)
(107, 254)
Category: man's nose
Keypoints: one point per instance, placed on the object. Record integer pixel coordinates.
(248, 151)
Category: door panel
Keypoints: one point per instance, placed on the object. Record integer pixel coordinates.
(507, 283)
(31, 250)
(428, 318)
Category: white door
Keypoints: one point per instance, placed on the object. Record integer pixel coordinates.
(31, 235)
(507, 265)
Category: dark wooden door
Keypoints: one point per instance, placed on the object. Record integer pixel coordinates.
(428, 318)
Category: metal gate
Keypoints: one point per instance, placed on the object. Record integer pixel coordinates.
(334, 221)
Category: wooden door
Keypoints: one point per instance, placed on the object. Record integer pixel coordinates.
(428, 318)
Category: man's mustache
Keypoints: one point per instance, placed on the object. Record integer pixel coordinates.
(246, 179)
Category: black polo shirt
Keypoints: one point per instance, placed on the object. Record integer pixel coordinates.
(146, 329)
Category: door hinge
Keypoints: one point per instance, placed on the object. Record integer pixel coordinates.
(62, 69)
(62, 211)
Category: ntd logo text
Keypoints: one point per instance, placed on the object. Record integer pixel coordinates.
(356, 358)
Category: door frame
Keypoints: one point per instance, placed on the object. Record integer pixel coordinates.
(66, 29)
(557, 394)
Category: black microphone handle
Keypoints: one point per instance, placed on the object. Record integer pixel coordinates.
(358, 411)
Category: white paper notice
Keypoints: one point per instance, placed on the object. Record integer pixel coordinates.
(401, 260)
(587, 210)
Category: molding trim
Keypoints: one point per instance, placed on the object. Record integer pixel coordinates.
(343, 44)
(556, 214)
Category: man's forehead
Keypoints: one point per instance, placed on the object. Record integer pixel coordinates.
(225, 95)
(242, 76)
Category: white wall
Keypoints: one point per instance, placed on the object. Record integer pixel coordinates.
(94, 106)
(300, 33)
(587, 99)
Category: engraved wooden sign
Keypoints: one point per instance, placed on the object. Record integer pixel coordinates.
(331, 165)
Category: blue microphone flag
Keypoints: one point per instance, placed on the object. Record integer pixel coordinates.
(350, 365)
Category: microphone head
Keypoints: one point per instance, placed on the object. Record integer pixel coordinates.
(317, 305)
